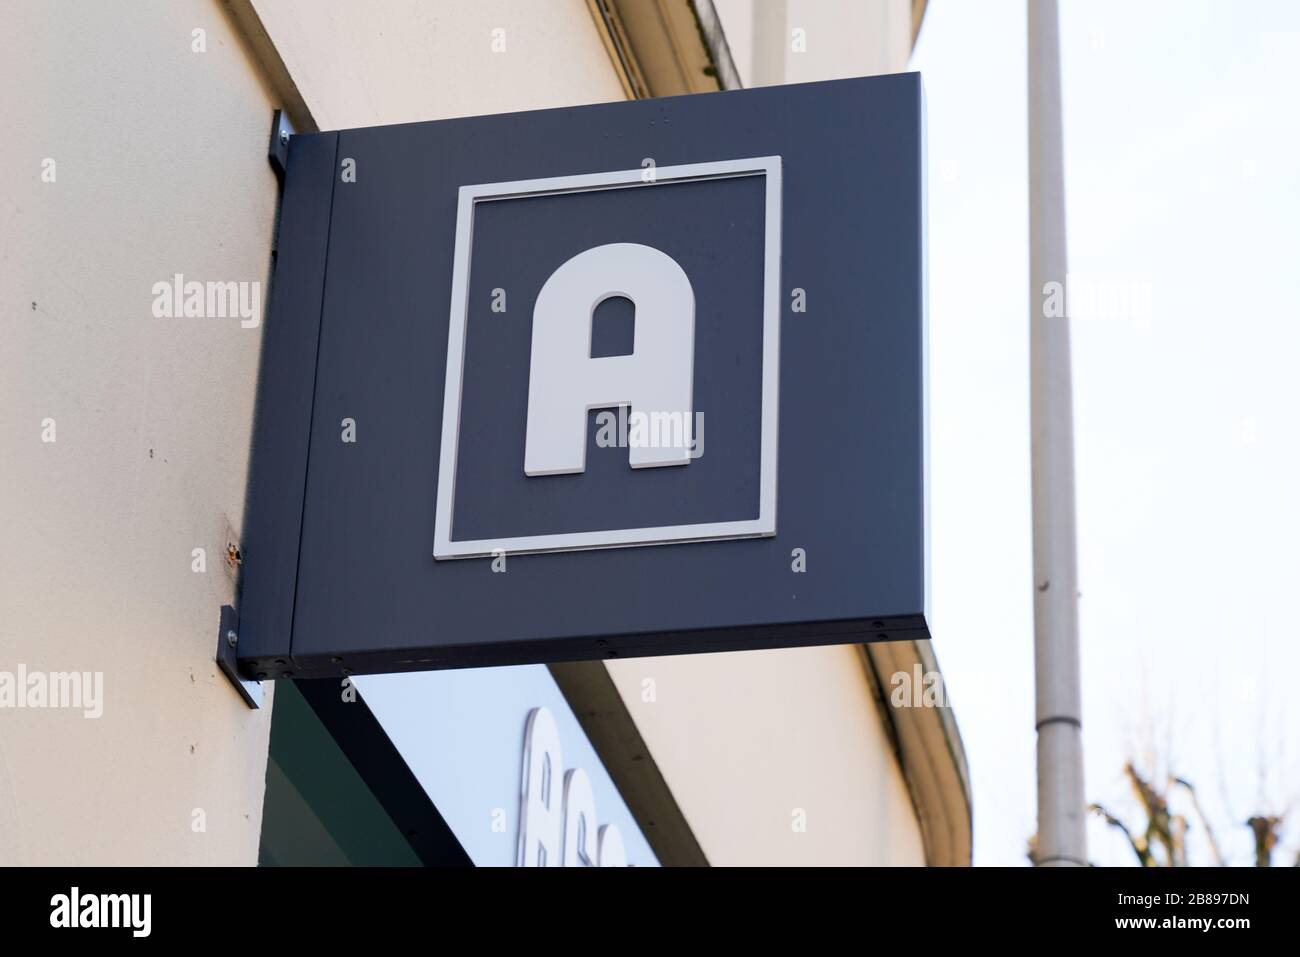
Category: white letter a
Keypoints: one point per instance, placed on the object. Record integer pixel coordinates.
(565, 382)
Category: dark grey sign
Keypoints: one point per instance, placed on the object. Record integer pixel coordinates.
(632, 379)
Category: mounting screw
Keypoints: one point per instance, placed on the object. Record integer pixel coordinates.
(232, 638)
(277, 148)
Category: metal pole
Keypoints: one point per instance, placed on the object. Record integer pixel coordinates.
(1058, 711)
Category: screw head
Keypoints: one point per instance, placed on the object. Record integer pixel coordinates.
(232, 638)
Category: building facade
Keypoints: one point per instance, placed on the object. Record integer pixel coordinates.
(136, 160)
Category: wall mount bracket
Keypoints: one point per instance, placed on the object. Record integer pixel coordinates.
(227, 647)
(277, 151)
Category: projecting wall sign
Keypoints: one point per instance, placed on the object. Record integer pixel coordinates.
(644, 378)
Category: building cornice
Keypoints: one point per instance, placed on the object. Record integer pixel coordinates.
(928, 747)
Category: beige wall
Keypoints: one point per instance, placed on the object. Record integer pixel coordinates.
(756, 744)
(160, 168)
(400, 61)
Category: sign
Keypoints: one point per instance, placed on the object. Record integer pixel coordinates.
(500, 754)
(630, 379)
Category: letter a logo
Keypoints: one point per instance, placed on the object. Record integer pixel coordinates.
(565, 382)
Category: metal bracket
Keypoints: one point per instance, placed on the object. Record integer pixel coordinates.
(278, 149)
(227, 644)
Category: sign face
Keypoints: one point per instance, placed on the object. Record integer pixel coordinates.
(631, 379)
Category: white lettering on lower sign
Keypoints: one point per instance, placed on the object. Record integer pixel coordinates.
(557, 821)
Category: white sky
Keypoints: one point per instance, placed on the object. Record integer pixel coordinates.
(1182, 137)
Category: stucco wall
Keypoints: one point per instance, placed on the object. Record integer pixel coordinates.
(775, 757)
(400, 61)
(160, 168)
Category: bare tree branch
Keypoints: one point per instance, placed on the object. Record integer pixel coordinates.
(1205, 822)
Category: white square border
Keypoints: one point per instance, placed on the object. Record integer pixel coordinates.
(761, 527)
